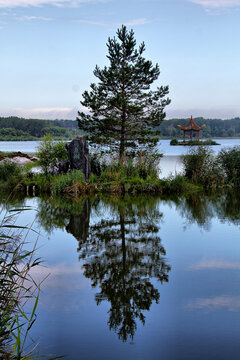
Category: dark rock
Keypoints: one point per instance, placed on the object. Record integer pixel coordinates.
(61, 167)
(79, 155)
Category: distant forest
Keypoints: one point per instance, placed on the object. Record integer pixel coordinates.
(15, 128)
(214, 128)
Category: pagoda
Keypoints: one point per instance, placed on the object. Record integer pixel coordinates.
(191, 127)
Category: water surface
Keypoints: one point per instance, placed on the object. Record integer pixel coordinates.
(138, 277)
(164, 146)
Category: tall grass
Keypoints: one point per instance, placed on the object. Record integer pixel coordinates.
(63, 183)
(144, 166)
(16, 287)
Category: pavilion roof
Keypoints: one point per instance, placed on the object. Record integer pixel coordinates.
(191, 125)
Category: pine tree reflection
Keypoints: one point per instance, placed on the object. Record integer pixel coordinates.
(122, 253)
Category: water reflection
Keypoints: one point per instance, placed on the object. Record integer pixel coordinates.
(121, 253)
(118, 243)
(201, 209)
(120, 248)
(121, 256)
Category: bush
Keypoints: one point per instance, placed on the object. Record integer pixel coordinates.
(229, 159)
(174, 142)
(175, 185)
(201, 166)
(49, 153)
(9, 169)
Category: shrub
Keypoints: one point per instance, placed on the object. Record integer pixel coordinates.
(9, 169)
(174, 142)
(201, 166)
(49, 153)
(229, 159)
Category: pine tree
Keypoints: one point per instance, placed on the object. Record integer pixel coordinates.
(124, 113)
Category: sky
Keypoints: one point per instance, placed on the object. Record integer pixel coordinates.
(49, 49)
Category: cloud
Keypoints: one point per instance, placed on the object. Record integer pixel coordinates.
(43, 113)
(37, 3)
(219, 113)
(141, 21)
(216, 4)
(41, 18)
(231, 303)
(215, 264)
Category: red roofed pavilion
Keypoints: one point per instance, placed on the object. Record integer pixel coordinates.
(191, 126)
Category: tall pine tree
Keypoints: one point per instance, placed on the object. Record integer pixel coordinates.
(124, 113)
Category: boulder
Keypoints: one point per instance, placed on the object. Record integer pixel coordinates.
(61, 167)
(79, 155)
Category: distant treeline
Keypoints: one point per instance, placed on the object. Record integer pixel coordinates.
(213, 128)
(15, 128)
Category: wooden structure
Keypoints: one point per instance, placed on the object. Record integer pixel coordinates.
(191, 127)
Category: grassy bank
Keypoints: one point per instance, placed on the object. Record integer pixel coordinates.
(114, 178)
(202, 171)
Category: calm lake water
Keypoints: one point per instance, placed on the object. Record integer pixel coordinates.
(165, 148)
(138, 277)
(170, 163)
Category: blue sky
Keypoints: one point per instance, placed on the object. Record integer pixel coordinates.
(49, 49)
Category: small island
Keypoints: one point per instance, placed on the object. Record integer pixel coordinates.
(191, 127)
(175, 142)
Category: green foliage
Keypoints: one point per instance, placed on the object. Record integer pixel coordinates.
(229, 159)
(55, 131)
(60, 183)
(8, 134)
(59, 151)
(193, 142)
(49, 153)
(176, 185)
(14, 128)
(43, 182)
(124, 112)
(201, 166)
(9, 169)
(197, 143)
